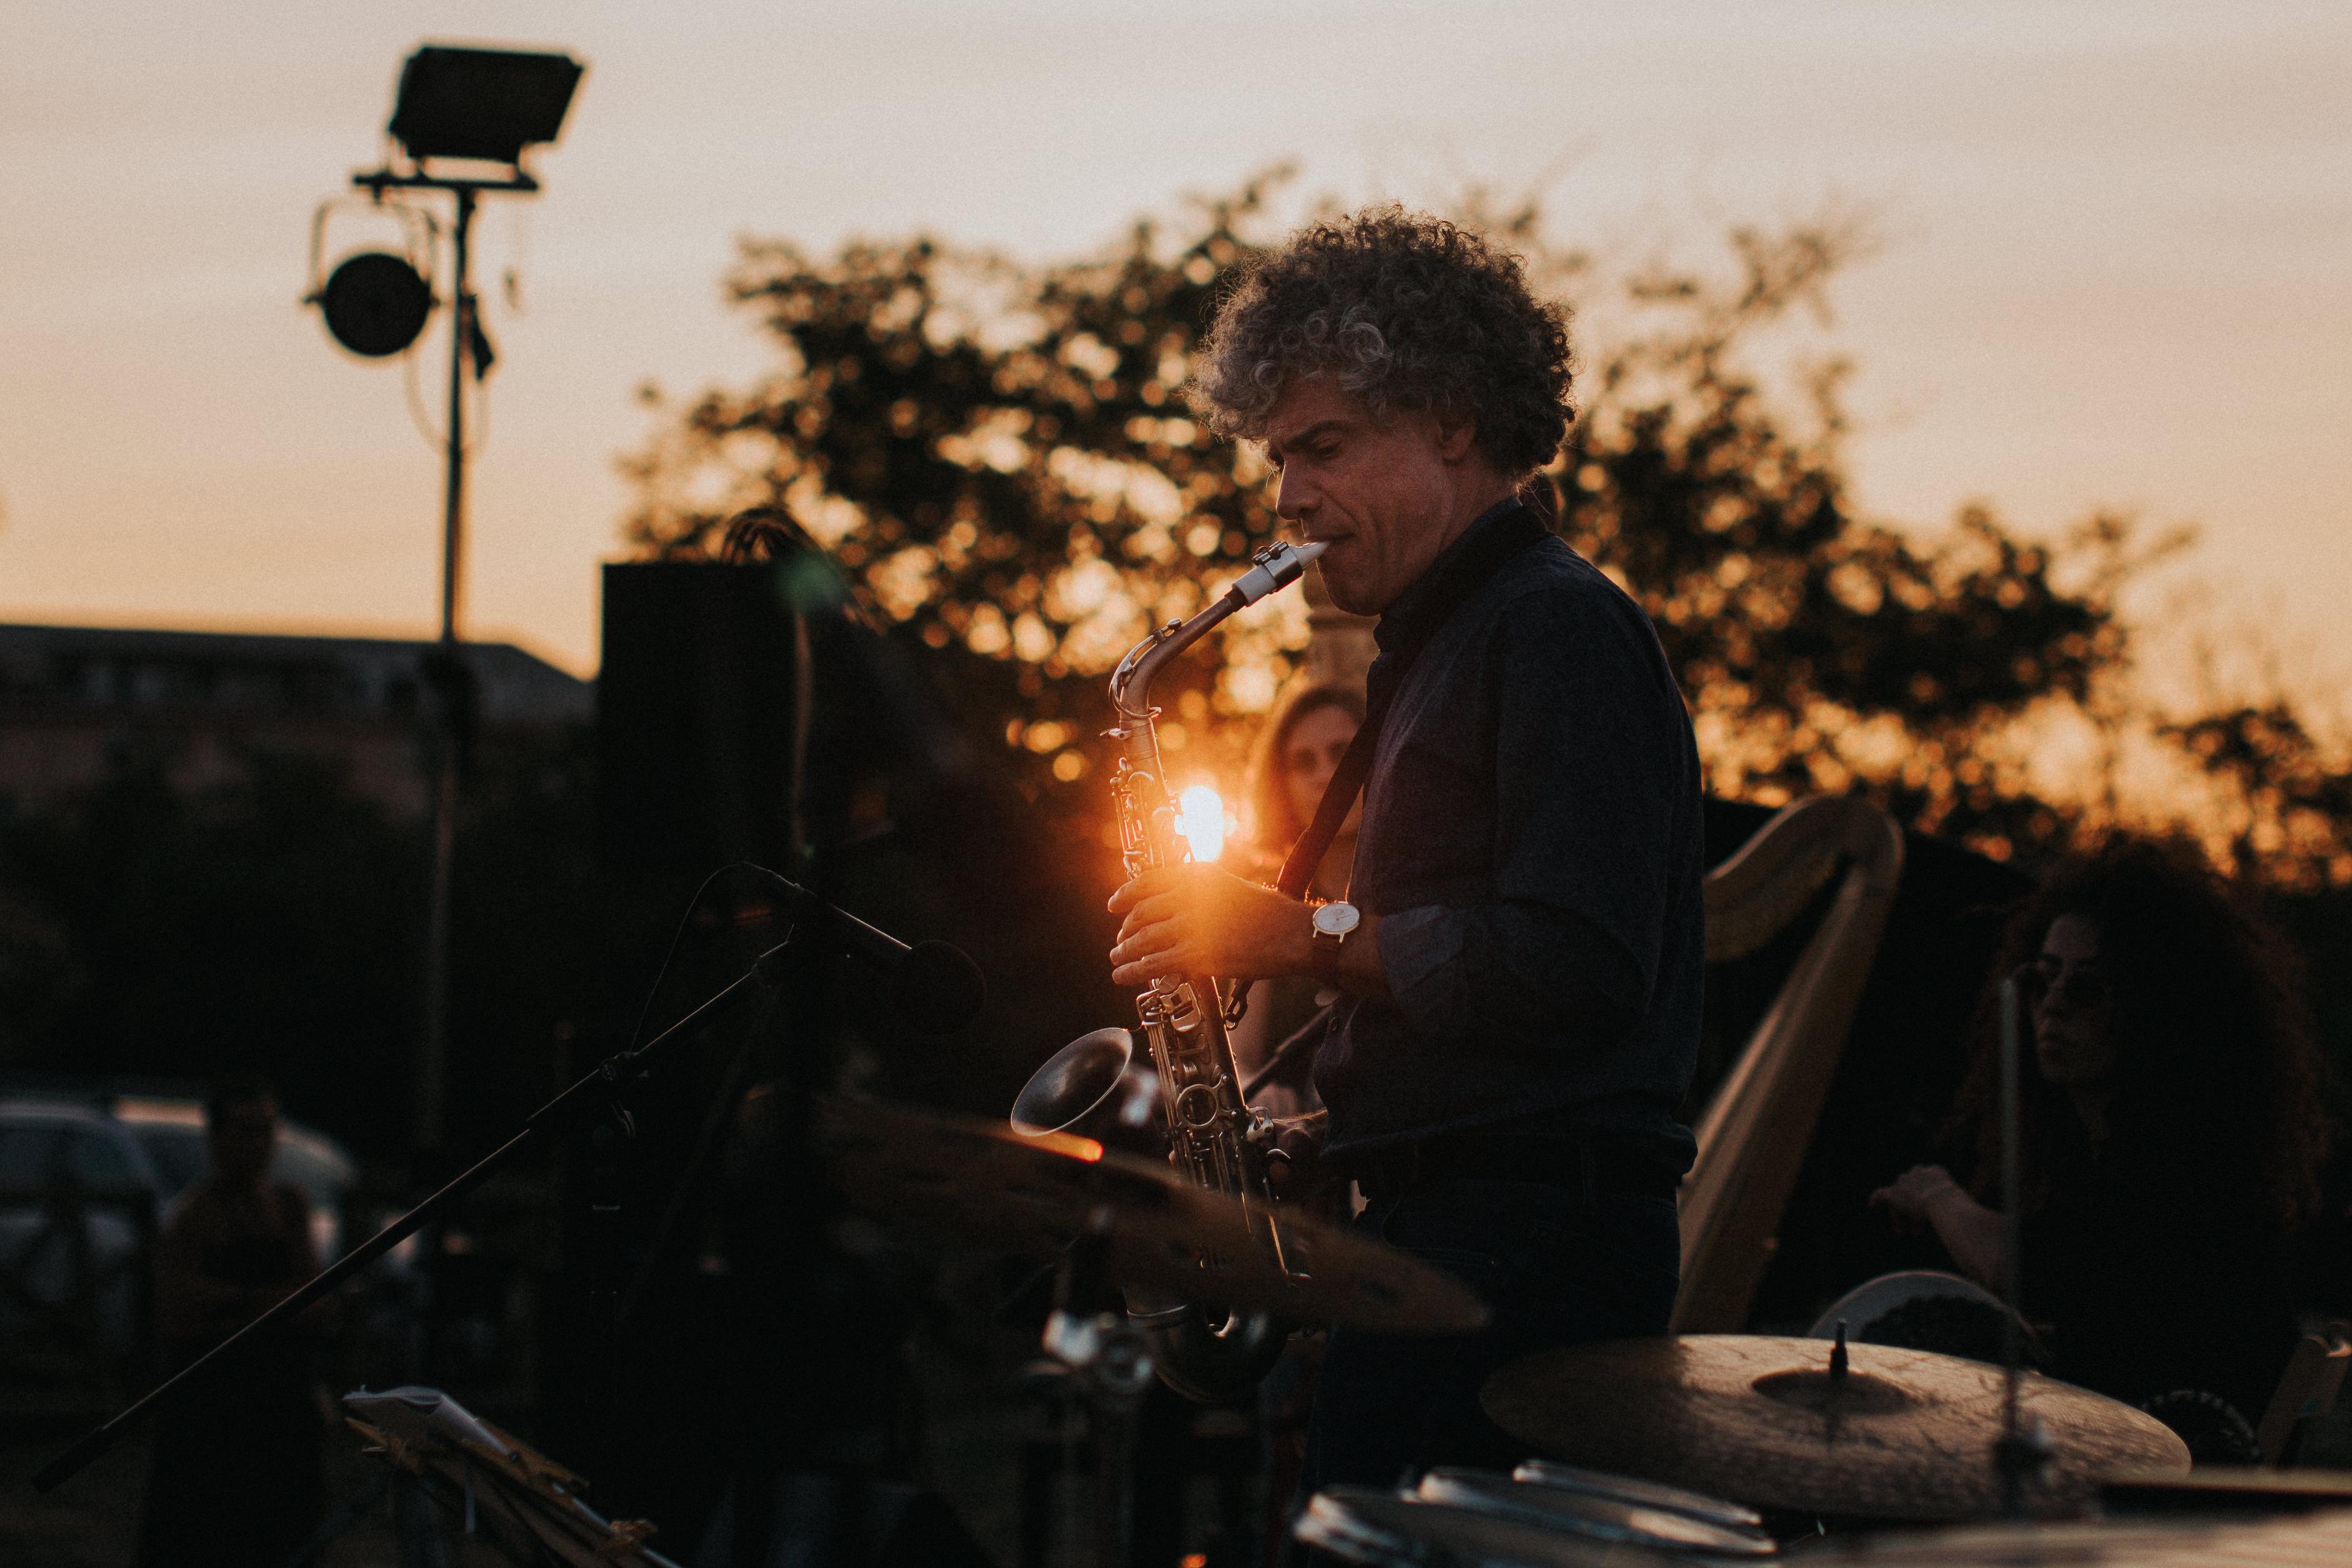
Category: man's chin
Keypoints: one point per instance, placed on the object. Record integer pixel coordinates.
(1349, 595)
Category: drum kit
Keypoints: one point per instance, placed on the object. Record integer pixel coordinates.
(1716, 1448)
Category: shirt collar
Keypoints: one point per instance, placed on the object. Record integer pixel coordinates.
(1420, 598)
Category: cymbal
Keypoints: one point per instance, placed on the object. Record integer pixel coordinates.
(1036, 1193)
(1904, 1434)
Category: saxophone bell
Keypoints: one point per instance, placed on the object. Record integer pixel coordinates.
(1098, 1086)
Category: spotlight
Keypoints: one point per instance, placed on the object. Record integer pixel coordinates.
(375, 304)
(455, 107)
(488, 104)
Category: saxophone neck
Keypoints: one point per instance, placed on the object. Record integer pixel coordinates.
(1276, 566)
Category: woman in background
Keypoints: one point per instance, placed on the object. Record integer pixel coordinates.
(2173, 1133)
(1296, 753)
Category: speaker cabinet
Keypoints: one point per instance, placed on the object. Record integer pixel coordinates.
(701, 718)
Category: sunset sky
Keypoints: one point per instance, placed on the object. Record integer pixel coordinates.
(2115, 270)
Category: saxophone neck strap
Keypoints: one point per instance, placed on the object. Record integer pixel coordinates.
(1493, 542)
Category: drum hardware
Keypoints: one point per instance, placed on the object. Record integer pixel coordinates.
(2225, 1488)
(1898, 1434)
(1108, 1361)
(2294, 1542)
(1383, 1529)
(1928, 1309)
(1406, 1529)
(1713, 1510)
(2023, 1454)
(1590, 1513)
(1118, 1222)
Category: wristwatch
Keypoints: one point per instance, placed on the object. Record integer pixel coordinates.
(1333, 921)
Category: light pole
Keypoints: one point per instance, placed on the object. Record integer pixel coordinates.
(473, 107)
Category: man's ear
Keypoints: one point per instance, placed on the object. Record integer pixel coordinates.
(1458, 438)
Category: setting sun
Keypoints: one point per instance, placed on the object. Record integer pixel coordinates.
(1200, 817)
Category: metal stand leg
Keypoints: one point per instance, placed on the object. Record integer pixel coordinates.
(1109, 1363)
(2022, 1455)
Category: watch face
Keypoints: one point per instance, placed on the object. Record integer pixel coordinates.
(1336, 919)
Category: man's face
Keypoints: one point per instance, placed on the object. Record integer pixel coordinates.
(1386, 497)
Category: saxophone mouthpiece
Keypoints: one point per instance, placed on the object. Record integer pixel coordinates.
(1278, 566)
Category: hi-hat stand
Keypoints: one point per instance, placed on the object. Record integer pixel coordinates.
(2022, 1455)
(1108, 1362)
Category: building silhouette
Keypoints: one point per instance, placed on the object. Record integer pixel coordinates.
(76, 701)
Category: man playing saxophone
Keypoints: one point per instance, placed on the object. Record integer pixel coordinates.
(1520, 953)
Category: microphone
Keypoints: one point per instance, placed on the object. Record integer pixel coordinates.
(939, 988)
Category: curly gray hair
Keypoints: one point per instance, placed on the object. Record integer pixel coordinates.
(1408, 313)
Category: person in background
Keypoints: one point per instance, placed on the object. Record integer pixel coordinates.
(1296, 752)
(2173, 1135)
(236, 1473)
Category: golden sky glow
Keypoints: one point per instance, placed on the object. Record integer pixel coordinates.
(2117, 266)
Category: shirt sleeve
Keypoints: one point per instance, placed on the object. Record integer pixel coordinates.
(1587, 761)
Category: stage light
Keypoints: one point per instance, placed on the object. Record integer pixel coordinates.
(375, 303)
(481, 103)
(462, 108)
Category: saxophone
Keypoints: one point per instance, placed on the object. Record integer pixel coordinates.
(1188, 1099)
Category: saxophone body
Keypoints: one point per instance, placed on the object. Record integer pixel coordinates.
(1098, 1084)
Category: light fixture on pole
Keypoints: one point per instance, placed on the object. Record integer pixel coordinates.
(463, 118)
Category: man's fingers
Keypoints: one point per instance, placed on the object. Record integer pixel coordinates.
(1140, 936)
(1135, 890)
(1143, 971)
(1149, 911)
(1146, 963)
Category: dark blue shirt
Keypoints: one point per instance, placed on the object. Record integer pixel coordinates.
(1531, 840)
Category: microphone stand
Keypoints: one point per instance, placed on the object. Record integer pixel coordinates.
(605, 1079)
(2023, 1451)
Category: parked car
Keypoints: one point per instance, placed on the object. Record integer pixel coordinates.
(79, 1199)
(86, 1180)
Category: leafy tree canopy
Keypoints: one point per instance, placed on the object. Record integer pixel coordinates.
(1000, 457)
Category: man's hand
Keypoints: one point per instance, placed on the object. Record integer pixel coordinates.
(1204, 920)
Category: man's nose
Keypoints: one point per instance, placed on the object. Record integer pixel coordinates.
(1293, 497)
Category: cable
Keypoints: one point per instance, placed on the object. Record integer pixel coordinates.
(422, 420)
(637, 1034)
(416, 414)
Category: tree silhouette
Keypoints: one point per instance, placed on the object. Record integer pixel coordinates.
(1001, 460)
(998, 456)
(1820, 651)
